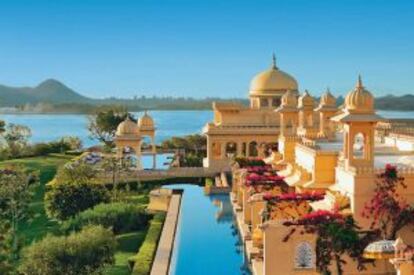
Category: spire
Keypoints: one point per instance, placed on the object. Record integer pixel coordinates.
(359, 83)
(274, 67)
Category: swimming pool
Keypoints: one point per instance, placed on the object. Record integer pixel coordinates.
(207, 241)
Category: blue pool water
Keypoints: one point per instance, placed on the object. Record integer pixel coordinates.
(206, 241)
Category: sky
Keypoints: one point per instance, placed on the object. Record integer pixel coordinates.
(196, 48)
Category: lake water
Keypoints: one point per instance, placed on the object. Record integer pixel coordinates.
(169, 123)
(48, 127)
(206, 241)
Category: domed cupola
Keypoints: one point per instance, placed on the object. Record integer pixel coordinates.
(327, 99)
(306, 101)
(127, 128)
(360, 100)
(146, 122)
(272, 82)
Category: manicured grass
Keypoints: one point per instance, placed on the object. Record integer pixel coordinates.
(128, 243)
(143, 259)
(47, 167)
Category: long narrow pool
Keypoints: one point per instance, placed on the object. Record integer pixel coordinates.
(207, 241)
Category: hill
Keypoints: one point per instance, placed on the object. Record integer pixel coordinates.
(49, 91)
(52, 96)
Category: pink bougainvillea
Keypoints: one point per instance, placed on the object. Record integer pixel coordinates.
(305, 196)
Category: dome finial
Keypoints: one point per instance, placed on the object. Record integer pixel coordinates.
(274, 62)
(359, 83)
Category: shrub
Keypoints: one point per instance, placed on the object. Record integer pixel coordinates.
(65, 200)
(81, 253)
(121, 217)
(142, 262)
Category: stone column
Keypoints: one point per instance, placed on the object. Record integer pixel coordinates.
(139, 155)
(223, 150)
(154, 153)
(239, 148)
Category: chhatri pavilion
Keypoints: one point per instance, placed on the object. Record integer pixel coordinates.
(129, 136)
(309, 146)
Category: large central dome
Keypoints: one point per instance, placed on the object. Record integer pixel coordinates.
(272, 82)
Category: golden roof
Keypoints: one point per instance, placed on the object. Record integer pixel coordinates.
(359, 100)
(359, 106)
(272, 82)
(306, 100)
(327, 99)
(127, 127)
(146, 121)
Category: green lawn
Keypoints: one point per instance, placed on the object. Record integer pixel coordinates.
(47, 167)
(129, 244)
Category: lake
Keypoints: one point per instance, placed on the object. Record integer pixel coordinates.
(48, 127)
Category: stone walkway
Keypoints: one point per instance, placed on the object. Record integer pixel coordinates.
(166, 244)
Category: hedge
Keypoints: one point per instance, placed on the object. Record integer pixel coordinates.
(81, 253)
(142, 261)
(120, 216)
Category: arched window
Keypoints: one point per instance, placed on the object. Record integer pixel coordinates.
(253, 149)
(359, 146)
(264, 102)
(304, 256)
(231, 149)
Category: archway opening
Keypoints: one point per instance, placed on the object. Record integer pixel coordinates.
(231, 149)
(253, 152)
(358, 146)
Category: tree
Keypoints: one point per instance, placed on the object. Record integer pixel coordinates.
(102, 125)
(17, 137)
(65, 200)
(76, 172)
(82, 253)
(336, 236)
(2, 126)
(387, 209)
(115, 168)
(74, 143)
(16, 191)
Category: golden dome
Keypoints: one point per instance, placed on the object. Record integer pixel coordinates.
(306, 100)
(359, 100)
(289, 99)
(146, 121)
(272, 81)
(327, 99)
(127, 127)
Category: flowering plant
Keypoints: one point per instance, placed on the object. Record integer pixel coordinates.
(244, 162)
(305, 196)
(388, 211)
(336, 235)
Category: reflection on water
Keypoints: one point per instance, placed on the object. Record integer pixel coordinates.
(207, 241)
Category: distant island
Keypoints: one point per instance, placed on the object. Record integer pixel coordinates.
(52, 96)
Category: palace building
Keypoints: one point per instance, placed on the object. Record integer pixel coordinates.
(310, 147)
(248, 131)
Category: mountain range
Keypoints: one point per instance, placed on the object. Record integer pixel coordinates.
(61, 98)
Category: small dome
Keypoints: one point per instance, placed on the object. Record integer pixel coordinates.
(306, 100)
(380, 250)
(327, 99)
(146, 122)
(359, 100)
(127, 127)
(272, 82)
(289, 99)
